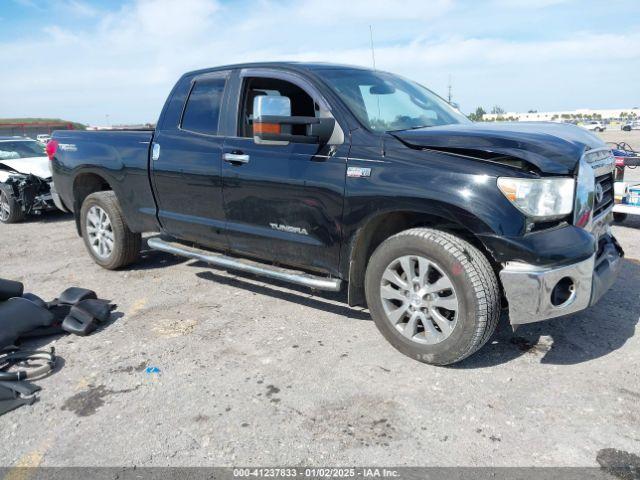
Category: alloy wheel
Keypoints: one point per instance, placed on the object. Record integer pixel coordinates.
(100, 232)
(419, 299)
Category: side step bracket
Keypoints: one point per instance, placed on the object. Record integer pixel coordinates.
(248, 266)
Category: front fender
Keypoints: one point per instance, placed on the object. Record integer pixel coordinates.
(387, 218)
(408, 188)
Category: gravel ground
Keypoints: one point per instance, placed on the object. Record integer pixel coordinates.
(255, 372)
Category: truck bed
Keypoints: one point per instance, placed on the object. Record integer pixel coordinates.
(121, 157)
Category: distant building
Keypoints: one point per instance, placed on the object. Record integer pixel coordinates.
(567, 115)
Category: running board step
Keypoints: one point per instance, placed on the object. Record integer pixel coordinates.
(248, 266)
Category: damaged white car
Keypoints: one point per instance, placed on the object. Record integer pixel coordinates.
(25, 179)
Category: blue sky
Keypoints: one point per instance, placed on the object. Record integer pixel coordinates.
(96, 60)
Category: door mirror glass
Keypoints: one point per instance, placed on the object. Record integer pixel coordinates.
(271, 105)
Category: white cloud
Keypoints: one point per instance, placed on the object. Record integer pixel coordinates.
(59, 35)
(27, 3)
(333, 11)
(78, 8)
(126, 63)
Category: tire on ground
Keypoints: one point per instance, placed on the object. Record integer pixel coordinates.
(474, 281)
(16, 214)
(126, 245)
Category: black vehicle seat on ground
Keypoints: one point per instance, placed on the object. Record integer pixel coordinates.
(23, 315)
(99, 309)
(10, 289)
(35, 299)
(85, 316)
(18, 316)
(73, 295)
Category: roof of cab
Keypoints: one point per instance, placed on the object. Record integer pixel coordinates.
(310, 66)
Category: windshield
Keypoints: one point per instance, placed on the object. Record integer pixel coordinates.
(384, 102)
(20, 149)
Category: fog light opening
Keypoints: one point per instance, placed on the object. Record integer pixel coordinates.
(563, 293)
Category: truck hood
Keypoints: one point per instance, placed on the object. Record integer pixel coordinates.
(553, 148)
(38, 166)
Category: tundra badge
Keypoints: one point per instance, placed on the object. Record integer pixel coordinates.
(288, 228)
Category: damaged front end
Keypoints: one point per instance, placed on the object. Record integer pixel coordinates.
(30, 194)
(25, 179)
(566, 257)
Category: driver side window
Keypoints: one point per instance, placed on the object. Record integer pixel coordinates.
(302, 105)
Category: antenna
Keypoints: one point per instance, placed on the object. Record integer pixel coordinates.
(373, 53)
(449, 96)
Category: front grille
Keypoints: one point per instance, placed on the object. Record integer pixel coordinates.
(606, 183)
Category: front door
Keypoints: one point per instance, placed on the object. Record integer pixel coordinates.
(186, 167)
(283, 203)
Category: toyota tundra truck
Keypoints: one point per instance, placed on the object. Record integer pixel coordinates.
(346, 178)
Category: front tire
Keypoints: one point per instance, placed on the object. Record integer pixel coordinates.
(10, 209)
(433, 296)
(106, 235)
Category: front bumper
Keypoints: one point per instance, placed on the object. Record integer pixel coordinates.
(530, 289)
(56, 198)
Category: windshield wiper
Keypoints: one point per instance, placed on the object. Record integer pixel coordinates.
(408, 128)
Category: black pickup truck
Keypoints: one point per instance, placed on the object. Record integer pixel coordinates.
(343, 177)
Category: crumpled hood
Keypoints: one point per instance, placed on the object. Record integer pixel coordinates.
(553, 148)
(38, 166)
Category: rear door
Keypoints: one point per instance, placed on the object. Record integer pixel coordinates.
(186, 165)
(283, 203)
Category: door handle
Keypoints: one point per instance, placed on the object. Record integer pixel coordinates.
(237, 158)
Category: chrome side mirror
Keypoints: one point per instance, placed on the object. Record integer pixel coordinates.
(271, 105)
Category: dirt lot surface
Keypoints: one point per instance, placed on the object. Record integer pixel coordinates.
(253, 372)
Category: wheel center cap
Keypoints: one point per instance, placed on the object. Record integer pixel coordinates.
(415, 299)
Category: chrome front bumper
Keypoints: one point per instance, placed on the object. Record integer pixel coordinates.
(529, 288)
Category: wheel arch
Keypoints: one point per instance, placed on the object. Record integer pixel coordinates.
(84, 184)
(383, 225)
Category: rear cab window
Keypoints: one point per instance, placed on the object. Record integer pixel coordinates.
(202, 109)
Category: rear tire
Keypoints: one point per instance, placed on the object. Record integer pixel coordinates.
(460, 309)
(10, 209)
(108, 239)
